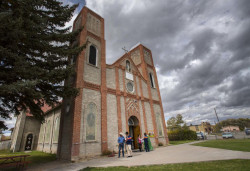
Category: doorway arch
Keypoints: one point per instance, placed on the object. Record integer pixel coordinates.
(29, 142)
(134, 130)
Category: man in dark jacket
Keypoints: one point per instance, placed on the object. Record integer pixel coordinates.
(129, 144)
(146, 142)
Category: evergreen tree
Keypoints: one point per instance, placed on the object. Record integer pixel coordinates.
(35, 48)
(2, 126)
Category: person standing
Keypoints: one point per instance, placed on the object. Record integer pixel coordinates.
(146, 142)
(151, 148)
(121, 141)
(139, 142)
(129, 144)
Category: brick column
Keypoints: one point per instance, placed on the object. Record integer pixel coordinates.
(77, 111)
(162, 112)
(104, 136)
(143, 107)
(118, 99)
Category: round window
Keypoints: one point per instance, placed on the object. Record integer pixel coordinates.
(130, 87)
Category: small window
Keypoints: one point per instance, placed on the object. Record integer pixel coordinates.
(92, 55)
(128, 66)
(152, 80)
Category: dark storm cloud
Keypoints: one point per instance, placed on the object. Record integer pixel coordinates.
(200, 48)
(238, 93)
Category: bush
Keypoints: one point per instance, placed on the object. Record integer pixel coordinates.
(181, 134)
(106, 153)
(160, 144)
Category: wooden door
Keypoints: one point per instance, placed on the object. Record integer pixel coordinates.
(136, 133)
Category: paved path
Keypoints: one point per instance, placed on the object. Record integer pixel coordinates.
(164, 155)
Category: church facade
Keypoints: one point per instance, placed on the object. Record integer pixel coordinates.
(115, 98)
(121, 97)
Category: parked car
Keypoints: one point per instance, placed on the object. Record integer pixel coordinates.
(227, 135)
(201, 136)
(247, 131)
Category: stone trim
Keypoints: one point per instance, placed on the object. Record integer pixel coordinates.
(90, 34)
(111, 91)
(92, 86)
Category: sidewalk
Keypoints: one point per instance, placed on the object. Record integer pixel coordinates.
(163, 155)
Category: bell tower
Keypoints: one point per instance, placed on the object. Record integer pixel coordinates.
(90, 68)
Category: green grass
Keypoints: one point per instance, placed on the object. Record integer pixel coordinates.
(223, 165)
(232, 144)
(36, 157)
(180, 142)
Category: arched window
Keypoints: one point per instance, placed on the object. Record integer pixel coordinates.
(48, 130)
(41, 135)
(152, 81)
(159, 125)
(92, 55)
(128, 69)
(91, 122)
(56, 130)
(29, 141)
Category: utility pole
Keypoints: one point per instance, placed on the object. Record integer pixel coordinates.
(216, 115)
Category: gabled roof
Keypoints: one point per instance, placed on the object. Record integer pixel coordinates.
(128, 56)
(45, 108)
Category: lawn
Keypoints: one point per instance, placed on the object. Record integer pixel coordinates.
(212, 165)
(36, 157)
(232, 144)
(180, 142)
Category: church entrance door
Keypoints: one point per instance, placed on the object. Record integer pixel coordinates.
(28, 144)
(134, 130)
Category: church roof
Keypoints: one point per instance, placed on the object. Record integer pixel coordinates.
(45, 108)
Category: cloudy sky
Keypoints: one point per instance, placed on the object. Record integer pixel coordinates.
(201, 50)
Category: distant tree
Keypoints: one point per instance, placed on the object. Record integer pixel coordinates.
(179, 120)
(175, 122)
(185, 127)
(241, 122)
(35, 47)
(171, 122)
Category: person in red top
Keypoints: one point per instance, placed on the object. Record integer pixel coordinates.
(139, 142)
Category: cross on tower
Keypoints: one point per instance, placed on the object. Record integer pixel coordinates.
(125, 50)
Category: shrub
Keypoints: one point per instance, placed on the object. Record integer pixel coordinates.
(106, 152)
(160, 144)
(181, 134)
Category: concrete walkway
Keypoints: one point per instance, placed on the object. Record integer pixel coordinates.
(163, 155)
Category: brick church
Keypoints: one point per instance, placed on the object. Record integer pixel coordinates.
(120, 97)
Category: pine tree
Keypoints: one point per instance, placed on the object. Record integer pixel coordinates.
(35, 48)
